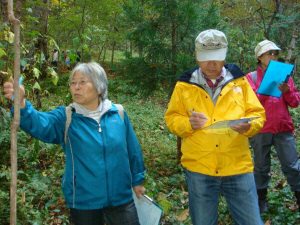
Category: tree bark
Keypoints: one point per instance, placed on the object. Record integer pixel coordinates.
(179, 152)
(16, 119)
(293, 44)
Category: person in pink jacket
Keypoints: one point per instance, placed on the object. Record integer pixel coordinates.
(278, 130)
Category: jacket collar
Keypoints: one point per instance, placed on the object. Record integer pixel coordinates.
(232, 68)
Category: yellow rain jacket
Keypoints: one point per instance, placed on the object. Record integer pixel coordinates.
(221, 151)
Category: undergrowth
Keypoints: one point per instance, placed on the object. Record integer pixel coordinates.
(40, 199)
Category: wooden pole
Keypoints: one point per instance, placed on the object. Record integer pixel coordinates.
(16, 119)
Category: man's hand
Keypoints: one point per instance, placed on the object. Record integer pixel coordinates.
(139, 190)
(241, 128)
(197, 120)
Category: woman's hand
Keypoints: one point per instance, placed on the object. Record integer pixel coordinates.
(8, 88)
(284, 87)
(139, 190)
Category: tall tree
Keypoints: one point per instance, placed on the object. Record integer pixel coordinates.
(163, 33)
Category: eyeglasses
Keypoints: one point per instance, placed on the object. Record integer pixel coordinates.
(272, 53)
(80, 83)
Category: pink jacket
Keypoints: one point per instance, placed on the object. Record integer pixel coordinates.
(278, 118)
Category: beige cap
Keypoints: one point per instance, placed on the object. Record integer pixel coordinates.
(211, 45)
(265, 46)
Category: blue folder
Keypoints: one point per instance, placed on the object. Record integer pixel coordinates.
(276, 73)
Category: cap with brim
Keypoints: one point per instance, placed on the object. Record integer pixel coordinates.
(211, 55)
(264, 47)
(211, 45)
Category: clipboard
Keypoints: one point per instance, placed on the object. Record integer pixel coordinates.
(227, 123)
(149, 212)
(275, 73)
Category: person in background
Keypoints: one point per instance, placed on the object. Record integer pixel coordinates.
(217, 160)
(278, 131)
(55, 58)
(103, 157)
(78, 58)
(68, 61)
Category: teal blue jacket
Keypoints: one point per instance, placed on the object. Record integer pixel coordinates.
(101, 167)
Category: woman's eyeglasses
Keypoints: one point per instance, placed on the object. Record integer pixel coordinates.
(80, 83)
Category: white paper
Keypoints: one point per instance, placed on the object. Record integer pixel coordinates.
(149, 212)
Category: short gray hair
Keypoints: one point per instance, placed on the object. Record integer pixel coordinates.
(96, 74)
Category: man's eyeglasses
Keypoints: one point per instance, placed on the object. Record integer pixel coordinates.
(272, 53)
(80, 83)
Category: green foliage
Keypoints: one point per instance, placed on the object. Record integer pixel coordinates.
(40, 165)
(158, 38)
(241, 48)
(163, 34)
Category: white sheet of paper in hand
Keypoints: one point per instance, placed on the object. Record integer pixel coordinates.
(149, 212)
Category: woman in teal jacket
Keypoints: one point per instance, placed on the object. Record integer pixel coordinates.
(103, 157)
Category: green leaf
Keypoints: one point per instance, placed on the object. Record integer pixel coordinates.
(23, 61)
(9, 37)
(55, 79)
(37, 86)
(2, 52)
(53, 75)
(85, 47)
(36, 72)
(53, 42)
(75, 41)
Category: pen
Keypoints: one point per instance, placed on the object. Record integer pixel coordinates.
(20, 82)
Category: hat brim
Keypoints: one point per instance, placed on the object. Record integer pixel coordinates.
(266, 48)
(211, 55)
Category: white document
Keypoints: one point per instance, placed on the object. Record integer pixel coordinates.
(149, 212)
(227, 123)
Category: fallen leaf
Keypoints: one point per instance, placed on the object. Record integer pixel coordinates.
(293, 208)
(183, 216)
(269, 222)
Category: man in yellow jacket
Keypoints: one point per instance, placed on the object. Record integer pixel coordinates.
(214, 109)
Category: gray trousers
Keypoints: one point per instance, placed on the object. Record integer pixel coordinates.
(284, 144)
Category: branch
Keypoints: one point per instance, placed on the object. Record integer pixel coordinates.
(278, 4)
(16, 119)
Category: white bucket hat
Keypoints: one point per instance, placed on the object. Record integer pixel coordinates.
(264, 47)
(211, 45)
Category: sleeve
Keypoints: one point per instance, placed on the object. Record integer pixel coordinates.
(135, 154)
(46, 126)
(176, 116)
(292, 96)
(253, 108)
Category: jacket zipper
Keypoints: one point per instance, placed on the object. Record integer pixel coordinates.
(105, 163)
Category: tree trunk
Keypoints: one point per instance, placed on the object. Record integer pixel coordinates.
(16, 120)
(179, 152)
(293, 44)
(112, 53)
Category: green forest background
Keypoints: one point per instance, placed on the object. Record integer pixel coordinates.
(144, 46)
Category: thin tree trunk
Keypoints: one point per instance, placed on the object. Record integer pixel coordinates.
(179, 152)
(293, 44)
(16, 120)
(112, 53)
